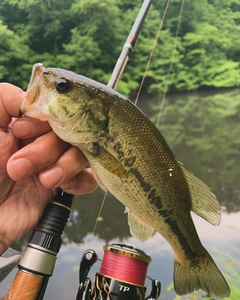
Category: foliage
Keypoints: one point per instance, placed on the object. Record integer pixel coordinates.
(86, 36)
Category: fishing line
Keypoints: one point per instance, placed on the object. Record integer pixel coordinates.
(171, 64)
(100, 211)
(152, 51)
(125, 263)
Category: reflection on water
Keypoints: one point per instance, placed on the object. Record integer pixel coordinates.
(83, 218)
(204, 133)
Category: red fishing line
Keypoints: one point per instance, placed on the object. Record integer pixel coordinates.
(125, 266)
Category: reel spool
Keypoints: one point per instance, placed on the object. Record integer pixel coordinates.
(121, 277)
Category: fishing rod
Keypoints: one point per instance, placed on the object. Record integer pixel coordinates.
(129, 45)
(38, 259)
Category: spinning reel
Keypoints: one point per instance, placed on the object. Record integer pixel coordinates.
(121, 276)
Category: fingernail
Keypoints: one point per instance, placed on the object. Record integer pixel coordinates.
(23, 127)
(53, 176)
(21, 168)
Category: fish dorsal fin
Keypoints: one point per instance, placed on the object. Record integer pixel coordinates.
(106, 160)
(138, 228)
(204, 202)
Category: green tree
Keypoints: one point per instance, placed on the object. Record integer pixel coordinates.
(87, 37)
(13, 57)
(92, 48)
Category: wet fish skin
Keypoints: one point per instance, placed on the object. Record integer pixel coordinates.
(132, 160)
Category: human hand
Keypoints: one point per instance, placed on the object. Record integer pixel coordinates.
(33, 163)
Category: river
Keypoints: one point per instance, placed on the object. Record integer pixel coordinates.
(203, 131)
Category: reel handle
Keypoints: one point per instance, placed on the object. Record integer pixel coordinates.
(156, 290)
(84, 290)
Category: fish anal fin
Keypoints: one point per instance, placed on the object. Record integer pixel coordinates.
(204, 202)
(138, 228)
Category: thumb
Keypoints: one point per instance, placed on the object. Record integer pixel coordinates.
(11, 98)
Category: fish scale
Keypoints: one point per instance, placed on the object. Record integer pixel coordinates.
(131, 159)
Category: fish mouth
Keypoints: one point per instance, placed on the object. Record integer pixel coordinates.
(30, 106)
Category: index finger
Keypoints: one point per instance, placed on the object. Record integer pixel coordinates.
(11, 98)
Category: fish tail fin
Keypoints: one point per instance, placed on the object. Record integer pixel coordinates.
(206, 277)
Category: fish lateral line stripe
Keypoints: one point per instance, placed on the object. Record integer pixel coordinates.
(189, 253)
(145, 185)
(129, 161)
(118, 148)
(157, 202)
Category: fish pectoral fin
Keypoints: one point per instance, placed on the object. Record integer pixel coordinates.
(138, 228)
(106, 160)
(204, 202)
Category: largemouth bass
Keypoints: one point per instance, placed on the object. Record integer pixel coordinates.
(131, 159)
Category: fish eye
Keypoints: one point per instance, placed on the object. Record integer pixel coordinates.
(63, 85)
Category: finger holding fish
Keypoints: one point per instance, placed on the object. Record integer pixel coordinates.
(29, 128)
(59, 174)
(56, 162)
(23, 201)
(41, 151)
(82, 183)
(36, 156)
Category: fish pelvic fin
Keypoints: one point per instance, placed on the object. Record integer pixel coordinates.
(207, 277)
(204, 202)
(140, 230)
